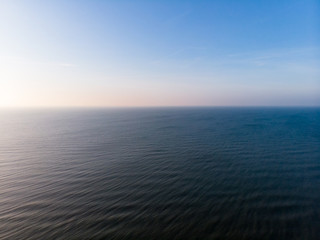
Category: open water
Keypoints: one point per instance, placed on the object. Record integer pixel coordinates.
(160, 173)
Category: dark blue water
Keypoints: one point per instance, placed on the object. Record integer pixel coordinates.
(179, 173)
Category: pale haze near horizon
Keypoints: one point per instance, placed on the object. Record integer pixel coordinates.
(164, 53)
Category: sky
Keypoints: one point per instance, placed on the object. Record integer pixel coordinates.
(76, 53)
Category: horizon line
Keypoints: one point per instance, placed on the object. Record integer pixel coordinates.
(159, 106)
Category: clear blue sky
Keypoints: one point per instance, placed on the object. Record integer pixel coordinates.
(159, 53)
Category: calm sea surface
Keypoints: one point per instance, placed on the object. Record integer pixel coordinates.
(177, 173)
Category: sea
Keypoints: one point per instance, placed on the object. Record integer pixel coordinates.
(160, 173)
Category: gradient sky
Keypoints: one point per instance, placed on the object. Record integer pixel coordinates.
(159, 53)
